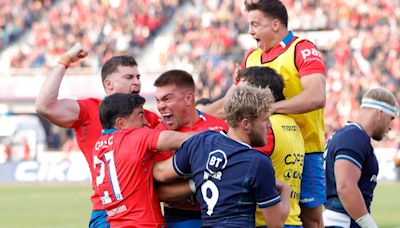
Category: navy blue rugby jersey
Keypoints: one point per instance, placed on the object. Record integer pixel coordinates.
(231, 178)
(351, 143)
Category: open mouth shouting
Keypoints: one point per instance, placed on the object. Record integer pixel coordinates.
(167, 118)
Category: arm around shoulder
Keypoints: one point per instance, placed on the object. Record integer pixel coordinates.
(312, 97)
(172, 140)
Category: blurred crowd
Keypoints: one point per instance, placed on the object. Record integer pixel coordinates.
(105, 27)
(16, 16)
(206, 44)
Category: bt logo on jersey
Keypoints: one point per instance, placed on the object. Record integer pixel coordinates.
(216, 161)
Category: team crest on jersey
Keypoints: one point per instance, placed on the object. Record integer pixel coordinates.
(217, 161)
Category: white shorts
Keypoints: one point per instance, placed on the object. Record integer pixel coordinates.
(333, 218)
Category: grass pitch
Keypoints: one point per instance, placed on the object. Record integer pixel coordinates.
(45, 205)
(63, 205)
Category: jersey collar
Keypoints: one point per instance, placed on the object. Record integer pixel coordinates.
(354, 124)
(278, 49)
(358, 126)
(201, 115)
(288, 38)
(245, 144)
(108, 131)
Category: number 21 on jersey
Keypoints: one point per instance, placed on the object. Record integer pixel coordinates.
(107, 165)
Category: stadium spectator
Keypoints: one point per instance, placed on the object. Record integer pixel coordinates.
(230, 177)
(119, 74)
(18, 16)
(206, 44)
(300, 64)
(349, 150)
(105, 27)
(176, 103)
(122, 174)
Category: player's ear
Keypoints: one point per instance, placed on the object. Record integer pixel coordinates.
(189, 98)
(108, 84)
(245, 124)
(276, 24)
(119, 123)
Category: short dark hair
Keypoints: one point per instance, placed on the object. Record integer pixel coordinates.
(111, 65)
(270, 8)
(264, 77)
(118, 105)
(180, 78)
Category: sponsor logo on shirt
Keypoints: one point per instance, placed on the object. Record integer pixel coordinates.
(116, 210)
(289, 174)
(290, 128)
(307, 200)
(293, 159)
(216, 128)
(294, 194)
(306, 53)
(374, 178)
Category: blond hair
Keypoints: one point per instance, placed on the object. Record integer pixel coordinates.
(382, 99)
(247, 102)
(381, 94)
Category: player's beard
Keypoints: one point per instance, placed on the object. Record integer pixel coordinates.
(378, 135)
(256, 139)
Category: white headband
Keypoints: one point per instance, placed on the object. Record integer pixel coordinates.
(383, 106)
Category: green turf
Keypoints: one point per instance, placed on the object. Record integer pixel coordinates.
(44, 205)
(69, 205)
(386, 205)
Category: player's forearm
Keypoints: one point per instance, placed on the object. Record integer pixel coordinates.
(164, 172)
(215, 109)
(172, 140)
(277, 218)
(276, 215)
(175, 191)
(284, 192)
(49, 92)
(352, 200)
(302, 103)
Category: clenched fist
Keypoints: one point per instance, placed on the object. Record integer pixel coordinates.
(77, 52)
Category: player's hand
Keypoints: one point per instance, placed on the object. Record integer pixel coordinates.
(78, 51)
(280, 185)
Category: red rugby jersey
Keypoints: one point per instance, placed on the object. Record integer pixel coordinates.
(123, 177)
(88, 129)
